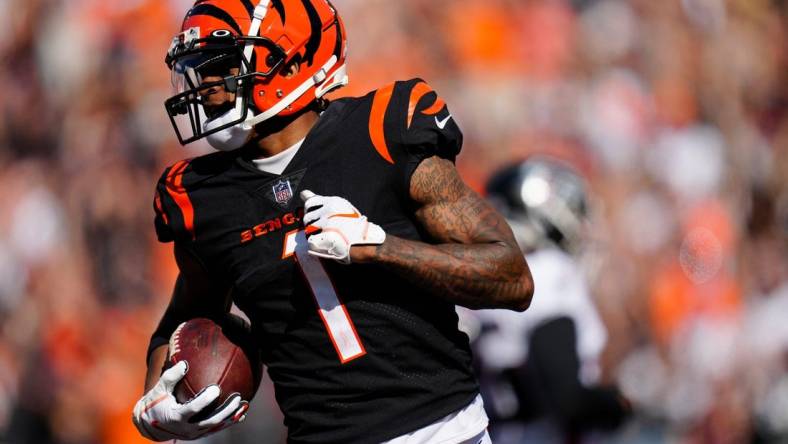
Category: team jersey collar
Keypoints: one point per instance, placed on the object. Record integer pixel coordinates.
(249, 152)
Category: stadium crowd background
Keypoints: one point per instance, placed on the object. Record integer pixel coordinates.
(676, 111)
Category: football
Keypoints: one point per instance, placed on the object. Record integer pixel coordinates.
(216, 354)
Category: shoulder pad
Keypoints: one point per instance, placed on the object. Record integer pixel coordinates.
(409, 116)
(174, 211)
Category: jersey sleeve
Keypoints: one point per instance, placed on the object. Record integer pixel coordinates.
(429, 128)
(418, 125)
(161, 220)
(174, 213)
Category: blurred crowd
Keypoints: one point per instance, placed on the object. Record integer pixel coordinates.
(676, 111)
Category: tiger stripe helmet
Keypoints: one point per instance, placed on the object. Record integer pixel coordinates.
(249, 42)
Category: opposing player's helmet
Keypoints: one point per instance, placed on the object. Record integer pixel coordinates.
(544, 201)
(247, 43)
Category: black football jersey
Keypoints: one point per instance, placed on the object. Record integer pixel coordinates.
(356, 354)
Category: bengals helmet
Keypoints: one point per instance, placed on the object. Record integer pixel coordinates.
(544, 200)
(245, 44)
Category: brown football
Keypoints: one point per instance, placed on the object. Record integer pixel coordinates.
(222, 355)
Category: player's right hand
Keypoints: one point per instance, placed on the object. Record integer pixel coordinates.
(337, 226)
(159, 417)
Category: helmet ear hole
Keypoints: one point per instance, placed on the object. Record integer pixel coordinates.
(291, 68)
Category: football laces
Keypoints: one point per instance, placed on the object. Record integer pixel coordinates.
(175, 340)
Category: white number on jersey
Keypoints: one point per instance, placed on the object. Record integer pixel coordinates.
(335, 317)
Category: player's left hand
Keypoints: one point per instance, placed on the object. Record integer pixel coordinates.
(159, 417)
(334, 225)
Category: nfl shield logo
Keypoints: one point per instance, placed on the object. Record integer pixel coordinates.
(282, 192)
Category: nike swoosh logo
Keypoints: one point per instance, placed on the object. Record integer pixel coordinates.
(353, 215)
(442, 123)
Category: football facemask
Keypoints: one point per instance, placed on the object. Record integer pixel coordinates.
(216, 64)
(226, 62)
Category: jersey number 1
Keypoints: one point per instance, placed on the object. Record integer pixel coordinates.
(335, 317)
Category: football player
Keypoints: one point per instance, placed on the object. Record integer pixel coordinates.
(539, 370)
(342, 230)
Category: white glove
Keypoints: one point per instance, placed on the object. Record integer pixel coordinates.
(340, 226)
(159, 417)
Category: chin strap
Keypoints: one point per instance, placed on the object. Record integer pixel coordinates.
(254, 29)
(257, 19)
(338, 79)
(294, 95)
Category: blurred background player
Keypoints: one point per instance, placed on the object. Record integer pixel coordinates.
(540, 370)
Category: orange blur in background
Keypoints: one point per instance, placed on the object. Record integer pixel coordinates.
(676, 110)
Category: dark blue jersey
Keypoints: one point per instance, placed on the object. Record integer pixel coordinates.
(356, 353)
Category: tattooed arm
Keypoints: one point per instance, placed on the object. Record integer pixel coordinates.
(476, 264)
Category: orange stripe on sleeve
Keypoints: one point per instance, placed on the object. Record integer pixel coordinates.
(379, 105)
(437, 106)
(420, 90)
(159, 208)
(178, 193)
(416, 94)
